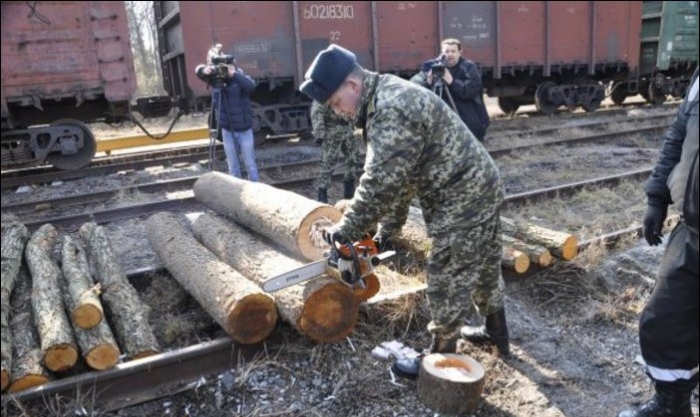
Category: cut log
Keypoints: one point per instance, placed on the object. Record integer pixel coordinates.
(323, 308)
(96, 342)
(539, 255)
(27, 368)
(14, 238)
(245, 312)
(515, 260)
(287, 218)
(127, 314)
(52, 324)
(560, 244)
(86, 308)
(450, 383)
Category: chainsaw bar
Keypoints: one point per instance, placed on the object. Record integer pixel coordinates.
(295, 276)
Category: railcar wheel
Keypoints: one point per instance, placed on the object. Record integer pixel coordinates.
(542, 102)
(592, 105)
(508, 105)
(655, 95)
(83, 156)
(618, 96)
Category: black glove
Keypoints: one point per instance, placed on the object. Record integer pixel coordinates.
(654, 222)
(332, 235)
(318, 140)
(382, 242)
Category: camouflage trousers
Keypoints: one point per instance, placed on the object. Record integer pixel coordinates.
(343, 142)
(464, 271)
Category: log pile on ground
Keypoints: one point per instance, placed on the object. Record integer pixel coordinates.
(14, 238)
(55, 332)
(94, 337)
(125, 310)
(323, 308)
(524, 244)
(240, 307)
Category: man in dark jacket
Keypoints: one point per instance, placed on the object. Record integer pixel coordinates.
(234, 114)
(668, 327)
(462, 88)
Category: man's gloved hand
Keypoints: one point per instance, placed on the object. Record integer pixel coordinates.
(654, 222)
(318, 140)
(332, 235)
(382, 242)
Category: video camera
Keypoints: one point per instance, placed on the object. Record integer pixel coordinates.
(437, 66)
(219, 74)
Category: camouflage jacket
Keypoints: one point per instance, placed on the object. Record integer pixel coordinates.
(416, 145)
(325, 123)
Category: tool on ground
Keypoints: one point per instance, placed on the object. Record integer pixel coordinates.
(350, 262)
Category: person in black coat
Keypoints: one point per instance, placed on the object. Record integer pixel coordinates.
(460, 86)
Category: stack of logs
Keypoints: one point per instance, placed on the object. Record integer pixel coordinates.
(52, 314)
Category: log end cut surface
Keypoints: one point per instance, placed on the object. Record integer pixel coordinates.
(144, 354)
(545, 259)
(61, 357)
(253, 319)
(330, 313)
(371, 288)
(451, 383)
(569, 249)
(29, 381)
(521, 262)
(306, 228)
(5, 379)
(87, 316)
(102, 357)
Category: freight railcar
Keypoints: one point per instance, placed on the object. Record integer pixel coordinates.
(63, 63)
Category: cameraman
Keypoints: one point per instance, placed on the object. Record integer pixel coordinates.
(463, 89)
(233, 112)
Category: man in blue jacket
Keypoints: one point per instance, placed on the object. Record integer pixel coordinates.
(234, 114)
(668, 327)
(461, 86)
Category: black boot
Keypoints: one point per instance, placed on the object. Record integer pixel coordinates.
(349, 188)
(494, 331)
(409, 367)
(323, 195)
(669, 401)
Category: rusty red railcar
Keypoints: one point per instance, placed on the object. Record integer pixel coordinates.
(63, 63)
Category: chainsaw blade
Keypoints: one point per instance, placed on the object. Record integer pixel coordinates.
(295, 276)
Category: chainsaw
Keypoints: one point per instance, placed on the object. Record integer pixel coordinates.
(350, 262)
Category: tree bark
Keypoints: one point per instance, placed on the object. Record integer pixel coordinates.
(323, 308)
(248, 314)
(27, 368)
(86, 308)
(450, 383)
(515, 260)
(96, 342)
(560, 244)
(53, 326)
(538, 255)
(128, 315)
(287, 218)
(14, 238)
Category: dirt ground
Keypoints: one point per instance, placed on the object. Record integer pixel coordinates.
(573, 336)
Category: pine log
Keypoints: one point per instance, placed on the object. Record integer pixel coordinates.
(96, 342)
(86, 308)
(27, 368)
(53, 326)
(245, 312)
(124, 309)
(322, 308)
(287, 218)
(560, 244)
(14, 238)
(539, 255)
(450, 383)
(515, 260)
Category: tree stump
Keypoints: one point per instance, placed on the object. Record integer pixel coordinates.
(27, 368)
(14, 238)
(239, 306)
(323, 308)
(287, 218)
(127, 314)
(96, 342)
(450, 383)
(52, 324)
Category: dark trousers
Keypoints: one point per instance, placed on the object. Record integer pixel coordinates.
(668, 328)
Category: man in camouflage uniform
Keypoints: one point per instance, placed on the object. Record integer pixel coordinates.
(416, 145)
(336, 135)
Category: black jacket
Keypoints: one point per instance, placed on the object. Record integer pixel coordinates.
(467, 92)
(236, 112)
